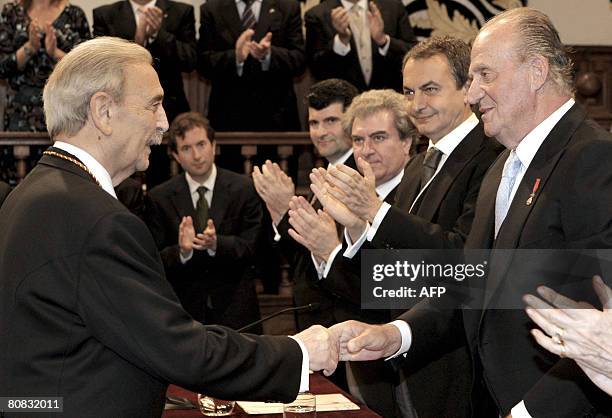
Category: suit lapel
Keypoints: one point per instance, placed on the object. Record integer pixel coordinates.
(541, 167)
(350, 162)
(408, 189)
(456, 162)
(266, 14)
(181, 198)
(163, 5)
(127, 25)
(231, 18)
(220, 202)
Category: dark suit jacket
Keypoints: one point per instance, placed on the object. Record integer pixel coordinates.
(386, 70)
(85, 310)
(129, 192)
(569, 210)
(258, 100)
(5, 189)
(173, 50)
(442, 218)
(226, 277)
(307, 289)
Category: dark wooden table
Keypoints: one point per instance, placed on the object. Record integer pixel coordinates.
(318, 385)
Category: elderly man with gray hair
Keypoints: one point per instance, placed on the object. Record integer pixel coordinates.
(86, 313)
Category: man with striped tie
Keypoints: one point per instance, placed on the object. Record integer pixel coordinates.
(250, 50)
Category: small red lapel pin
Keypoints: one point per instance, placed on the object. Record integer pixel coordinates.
(536, 186)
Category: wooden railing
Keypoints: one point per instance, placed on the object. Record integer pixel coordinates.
(287, 145)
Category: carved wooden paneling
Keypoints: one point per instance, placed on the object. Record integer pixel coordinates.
(593, 81)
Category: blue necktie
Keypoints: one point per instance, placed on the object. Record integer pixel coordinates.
(502, 201)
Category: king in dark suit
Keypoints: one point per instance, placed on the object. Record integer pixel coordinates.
(85, 308)
(215, 282)
(250, 51)
(334, 49)
(551, 189)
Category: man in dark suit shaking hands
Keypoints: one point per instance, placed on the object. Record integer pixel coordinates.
(85, 308)
(551, 188)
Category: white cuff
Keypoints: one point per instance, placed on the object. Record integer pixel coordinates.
(380, 215)
(404, 329)
(185, 259)
(265, 63)
(239, 69)
(520, 411)
(211, 252)
(384, 49)
(277, 235)
(304, 375)
(328, 263)
(351, 248)
(318, 267)
(339, 48)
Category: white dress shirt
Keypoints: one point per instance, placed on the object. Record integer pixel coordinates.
(98, 171)
(209, 183)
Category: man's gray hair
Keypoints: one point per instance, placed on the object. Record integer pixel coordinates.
(536, 35)
(97, 65)
(375, 101)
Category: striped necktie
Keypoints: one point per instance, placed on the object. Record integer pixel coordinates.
(248, 18)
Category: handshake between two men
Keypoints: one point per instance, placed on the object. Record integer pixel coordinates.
(348, 341)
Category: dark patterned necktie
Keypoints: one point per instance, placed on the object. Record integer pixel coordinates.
(248, 18)
(430, 164)
(201, 210)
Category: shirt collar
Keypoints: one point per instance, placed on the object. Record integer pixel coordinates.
(342, 158)
(451, 140)
(384, 189)
(136, 6)
(529, 146)
(348, 4)
(209, 183)
(92, 164)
